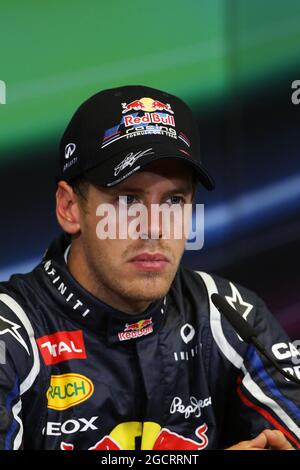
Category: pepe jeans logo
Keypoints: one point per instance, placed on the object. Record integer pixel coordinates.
(68, 390)
(193, 408)
(2, 92)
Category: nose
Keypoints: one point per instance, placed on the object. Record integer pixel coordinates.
(143, 220)
(154, 227)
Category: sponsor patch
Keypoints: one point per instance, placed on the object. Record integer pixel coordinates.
(143, 116)
(71, 426)
(68, 390)
(136, 330)
(62, 346)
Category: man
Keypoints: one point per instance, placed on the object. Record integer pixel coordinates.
(110, 343)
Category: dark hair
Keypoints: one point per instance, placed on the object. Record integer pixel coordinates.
(80, 186)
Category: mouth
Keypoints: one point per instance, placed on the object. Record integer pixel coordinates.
(149, 262)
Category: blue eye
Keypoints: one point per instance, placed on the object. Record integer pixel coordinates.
(176, 200)
(127, 199)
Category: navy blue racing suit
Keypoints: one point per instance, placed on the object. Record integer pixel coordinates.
(77, 374)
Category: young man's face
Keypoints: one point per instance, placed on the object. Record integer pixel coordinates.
(126, 268)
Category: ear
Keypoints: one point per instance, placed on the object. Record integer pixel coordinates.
(67, 208)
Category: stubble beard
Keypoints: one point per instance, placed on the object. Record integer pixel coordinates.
(147, 286)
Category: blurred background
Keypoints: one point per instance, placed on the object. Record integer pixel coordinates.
(232, 61)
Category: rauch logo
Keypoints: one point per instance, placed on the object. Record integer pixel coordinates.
(68, 390)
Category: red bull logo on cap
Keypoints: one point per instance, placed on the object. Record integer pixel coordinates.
(135, 330)
(149, 106)
(146, 104)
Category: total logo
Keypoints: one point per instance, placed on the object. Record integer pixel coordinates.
(148, 106)
(135, 330)
(62, 346)
(68, 390)
(153, 437)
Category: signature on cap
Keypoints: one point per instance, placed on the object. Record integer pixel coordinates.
(130, 159)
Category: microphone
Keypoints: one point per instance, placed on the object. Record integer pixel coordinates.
(247, 332)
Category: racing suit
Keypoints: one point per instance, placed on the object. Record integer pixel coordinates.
(77, 374)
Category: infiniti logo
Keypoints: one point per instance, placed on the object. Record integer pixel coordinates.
(69, 150)
(187, 333)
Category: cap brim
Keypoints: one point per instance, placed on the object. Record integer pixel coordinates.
(118, 168)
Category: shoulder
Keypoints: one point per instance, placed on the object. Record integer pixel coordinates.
(17, 334)
(195, 288)
(199, 284)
